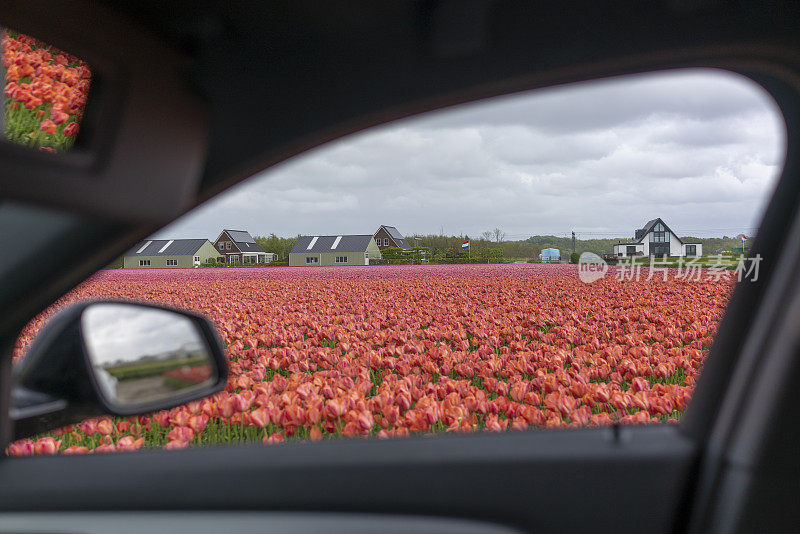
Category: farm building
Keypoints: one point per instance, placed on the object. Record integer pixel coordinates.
(657, 239)
(333, 250)
(388, 236)
(238, 246)
(550, 255)
(169, 253)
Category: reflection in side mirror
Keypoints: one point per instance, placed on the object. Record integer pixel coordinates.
(144, 355)
(44, 93)
(114, 358)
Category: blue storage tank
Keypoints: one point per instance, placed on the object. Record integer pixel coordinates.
(550, 255)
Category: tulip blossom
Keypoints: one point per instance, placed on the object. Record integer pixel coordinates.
(197, 423)
(24, 447)
(88, 427)
(46, 445)
(58, 117)
(48, 126)
(71, 129)
(128, 443)
(105, 426)
(181, 433)
(75, 449)
(176, 444)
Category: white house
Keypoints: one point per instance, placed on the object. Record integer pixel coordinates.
(657, 239)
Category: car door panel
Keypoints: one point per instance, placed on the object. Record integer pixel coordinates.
(543, 481)
(216, 522)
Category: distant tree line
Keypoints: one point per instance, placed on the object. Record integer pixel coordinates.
(529, 249)
(280, 246)
(711, 245)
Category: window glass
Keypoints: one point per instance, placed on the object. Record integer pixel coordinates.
(540, 288)
(44, 93)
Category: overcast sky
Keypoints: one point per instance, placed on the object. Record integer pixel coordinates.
(700, 149)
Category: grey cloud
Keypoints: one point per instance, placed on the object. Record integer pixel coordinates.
(700, 149)
(605, 103)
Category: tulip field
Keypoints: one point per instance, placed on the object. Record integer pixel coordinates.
(391, 351)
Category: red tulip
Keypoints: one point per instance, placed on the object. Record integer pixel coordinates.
(59, 117)
(639, 384)
(162, 418)
(176, 444)
(24, 447)
(88, 427)
(75, 449)
(259, 417)
(48, 126)
(333, 409)
(129, 443)
(46, 445)
(241, 403)
(493, 424)
(181, 433)
(198, 423)
(105, 426)
(273, 439)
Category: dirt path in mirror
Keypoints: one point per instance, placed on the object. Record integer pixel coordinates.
(143, 389)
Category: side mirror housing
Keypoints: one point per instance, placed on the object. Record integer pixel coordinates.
(116, 358)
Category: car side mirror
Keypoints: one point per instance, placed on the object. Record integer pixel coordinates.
(115, 358)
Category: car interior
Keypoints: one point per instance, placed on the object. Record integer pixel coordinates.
(164, 131)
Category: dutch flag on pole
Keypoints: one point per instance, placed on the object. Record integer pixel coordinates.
(465, 245)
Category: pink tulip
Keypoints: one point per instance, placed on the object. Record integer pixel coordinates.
(175, 445)
(181, 433)
(46, 445)
(105, 426)
(88, 427)
(75, 449)
(129, 443)
(24, 447)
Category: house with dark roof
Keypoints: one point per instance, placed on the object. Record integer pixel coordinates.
(238, 246)
(657, 239)
(318, 250)
(388, 236)
(169, 253)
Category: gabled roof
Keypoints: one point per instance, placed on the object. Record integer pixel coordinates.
(167, 247)
(397, 236)
(244, 241)
(331, 243)
(649, 226)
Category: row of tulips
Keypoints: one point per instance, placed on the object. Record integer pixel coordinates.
(46, 91)
(394, 352)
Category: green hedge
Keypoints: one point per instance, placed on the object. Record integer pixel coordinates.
(139, 370)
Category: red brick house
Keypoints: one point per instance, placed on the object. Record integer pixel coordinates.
(238, 246)
(388, 236)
